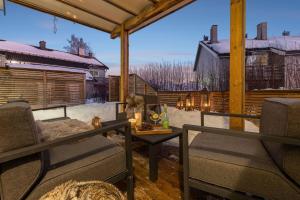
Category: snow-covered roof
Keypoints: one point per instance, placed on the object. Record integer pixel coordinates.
(284, 43)
(39, 66)
(14, 47)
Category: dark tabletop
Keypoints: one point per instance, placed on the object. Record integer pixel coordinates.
(151, 139)
(155, 139)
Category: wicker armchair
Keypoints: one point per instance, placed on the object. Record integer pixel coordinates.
(243, 165)
(30, 168)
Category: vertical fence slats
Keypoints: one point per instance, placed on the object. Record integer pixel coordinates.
(41, 88)
(219, 101)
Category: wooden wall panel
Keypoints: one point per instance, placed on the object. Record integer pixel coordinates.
(136, 86)
(170, 97)
(41, 88)
(113, 88)
(219, 101)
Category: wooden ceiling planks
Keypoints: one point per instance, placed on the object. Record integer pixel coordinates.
(108, 15)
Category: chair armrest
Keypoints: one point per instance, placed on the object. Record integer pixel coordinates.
(117, 106)
(118, 110)
(53, 107)
(26, 151)
(228, 115)
(242, 134)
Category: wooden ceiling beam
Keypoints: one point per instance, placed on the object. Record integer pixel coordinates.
(144, 17)
(89, 12)
(121, 7)
(51, 12)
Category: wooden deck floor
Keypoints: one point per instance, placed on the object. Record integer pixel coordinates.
(167, 187)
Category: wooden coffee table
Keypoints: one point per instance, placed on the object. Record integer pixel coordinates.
(154, 142)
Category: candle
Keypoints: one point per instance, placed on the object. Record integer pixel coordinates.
(132, 122)
(138, 117)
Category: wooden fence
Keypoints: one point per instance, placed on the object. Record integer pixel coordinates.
(42, 88)
(219, 101)
(136, 86)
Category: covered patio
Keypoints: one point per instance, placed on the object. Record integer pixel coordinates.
(122, 18)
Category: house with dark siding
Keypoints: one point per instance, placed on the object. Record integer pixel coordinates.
(271, 62)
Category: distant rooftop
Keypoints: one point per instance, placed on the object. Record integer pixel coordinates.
(14, 47)
(284, 43)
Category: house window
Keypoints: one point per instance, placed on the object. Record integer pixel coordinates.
(95, 73)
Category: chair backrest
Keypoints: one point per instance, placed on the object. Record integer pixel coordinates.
(281, 117)
(17, 130)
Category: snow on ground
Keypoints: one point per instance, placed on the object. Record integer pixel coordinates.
(106, 111)
(85, 112)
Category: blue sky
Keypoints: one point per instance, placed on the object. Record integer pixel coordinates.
(173, 38)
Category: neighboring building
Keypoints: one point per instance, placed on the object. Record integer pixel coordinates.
(67, 76)
(270, 62)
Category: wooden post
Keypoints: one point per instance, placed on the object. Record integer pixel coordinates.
(44, 89)
(84, 88)
(124, 64)
(145, 89)
(237, 61)
(134, 84)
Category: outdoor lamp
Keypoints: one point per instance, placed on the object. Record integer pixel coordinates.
(188, 103)
(193, 102)
(178, 103)
(205, 103)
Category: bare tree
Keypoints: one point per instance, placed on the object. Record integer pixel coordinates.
(75, 43)
(176, 76)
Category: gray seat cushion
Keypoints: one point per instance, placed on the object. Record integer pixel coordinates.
(17, 130)
(95, 158)
(240, 165)
(281, 117)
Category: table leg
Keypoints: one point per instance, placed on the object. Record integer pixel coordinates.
(153, 161)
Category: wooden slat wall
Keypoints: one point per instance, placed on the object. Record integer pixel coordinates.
(136, 86)
(41, 88)
(113, 88)
(254, 99)
(140, 86)
(170, 97)
(219, 101)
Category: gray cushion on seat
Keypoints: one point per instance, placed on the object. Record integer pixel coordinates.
(95, 158)
(240, 165)
(281, 117)
(17, 130)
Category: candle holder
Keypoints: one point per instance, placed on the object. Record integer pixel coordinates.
(96, 122)
(132, 122)
(138, 118)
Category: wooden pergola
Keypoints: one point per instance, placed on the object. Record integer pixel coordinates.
(120, 18)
